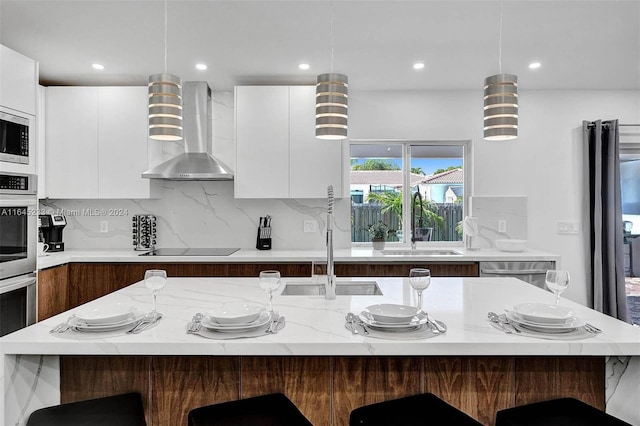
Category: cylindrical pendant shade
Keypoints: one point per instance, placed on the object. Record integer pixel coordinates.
(501, 107)
(165, 107)
(332, 92)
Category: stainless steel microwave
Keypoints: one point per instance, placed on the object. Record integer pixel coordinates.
(14, 137)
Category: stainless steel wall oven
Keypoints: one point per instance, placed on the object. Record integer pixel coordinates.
(18, 250)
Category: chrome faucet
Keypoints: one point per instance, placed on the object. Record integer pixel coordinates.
(413, 217)
(330, 285)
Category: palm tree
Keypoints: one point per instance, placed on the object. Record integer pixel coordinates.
(392, 201)
(417, 170)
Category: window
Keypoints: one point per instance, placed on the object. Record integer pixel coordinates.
(386, 177)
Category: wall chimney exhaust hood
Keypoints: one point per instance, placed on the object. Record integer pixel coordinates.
(196, 163)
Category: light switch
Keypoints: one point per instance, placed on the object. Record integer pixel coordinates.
(572, 228)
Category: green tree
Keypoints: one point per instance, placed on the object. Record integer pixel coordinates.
(417, 170)
(375, 164)
(447, 169)
(392, 201)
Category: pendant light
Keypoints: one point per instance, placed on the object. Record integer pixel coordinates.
(332, 91)
(165, 100)
(500, 102)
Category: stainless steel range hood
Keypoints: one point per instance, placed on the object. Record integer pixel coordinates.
(196, 163)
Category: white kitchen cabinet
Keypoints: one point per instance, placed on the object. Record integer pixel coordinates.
(18, 81)
(277, 153)
(96, 142)
(262, 142)
(71, 134)
(122, 142)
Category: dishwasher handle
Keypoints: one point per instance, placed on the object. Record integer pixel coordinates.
(511, 272)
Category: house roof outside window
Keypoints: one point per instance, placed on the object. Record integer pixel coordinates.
(450, 176)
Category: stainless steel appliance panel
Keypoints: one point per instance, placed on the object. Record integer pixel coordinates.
(18, 224)
(531, 272)
(17, 303)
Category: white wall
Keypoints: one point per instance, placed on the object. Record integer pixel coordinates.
(545, 164)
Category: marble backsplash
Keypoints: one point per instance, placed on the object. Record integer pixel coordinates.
(200, 214)
(490, 210)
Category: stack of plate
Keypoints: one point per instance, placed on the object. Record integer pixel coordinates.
(105, 318)
(391, 317)
(543, 318)
(236, 317)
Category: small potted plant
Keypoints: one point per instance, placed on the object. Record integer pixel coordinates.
(378, 232)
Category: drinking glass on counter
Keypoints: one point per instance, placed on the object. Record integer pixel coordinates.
(155, 280)
(557, 281)
(270, 282)
(419, 278)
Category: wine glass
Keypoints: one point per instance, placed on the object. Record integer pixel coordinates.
(270, 282)
(419, 278)
(557, 281)
(155, 280)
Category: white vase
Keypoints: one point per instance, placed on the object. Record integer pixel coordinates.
(378, 244)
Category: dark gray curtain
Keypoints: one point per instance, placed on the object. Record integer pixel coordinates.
(606, 232)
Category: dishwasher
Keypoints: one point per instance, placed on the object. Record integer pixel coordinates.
(531, 272)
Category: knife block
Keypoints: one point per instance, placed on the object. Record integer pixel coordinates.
(263, 241)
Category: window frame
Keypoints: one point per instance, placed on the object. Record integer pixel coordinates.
(406, 169)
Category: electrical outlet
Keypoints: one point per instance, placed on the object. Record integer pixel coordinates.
(104, 226)
(502, 226)
(310, 226)
(572, 228)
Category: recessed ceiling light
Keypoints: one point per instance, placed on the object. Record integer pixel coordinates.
(97, 66)
(201, 67)
(304, 66)
(418, 65)
(534, 65)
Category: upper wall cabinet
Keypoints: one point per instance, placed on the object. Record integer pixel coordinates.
(18, 81)
(277, 153)
(96, 142)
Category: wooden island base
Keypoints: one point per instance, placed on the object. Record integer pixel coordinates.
(326, 389)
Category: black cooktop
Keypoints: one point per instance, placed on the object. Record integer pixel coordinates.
(191, 252)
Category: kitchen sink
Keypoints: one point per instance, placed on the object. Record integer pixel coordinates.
(421, 252)
(343, 288)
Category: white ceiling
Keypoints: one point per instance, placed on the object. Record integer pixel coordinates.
(581, 44)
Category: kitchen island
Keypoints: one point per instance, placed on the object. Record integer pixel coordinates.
(325, 369)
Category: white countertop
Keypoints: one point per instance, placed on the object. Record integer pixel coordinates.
(252, 255)
(315, 326)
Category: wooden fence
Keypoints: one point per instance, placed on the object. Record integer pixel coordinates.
(363, 215)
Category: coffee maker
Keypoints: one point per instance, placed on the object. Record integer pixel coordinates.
(51, 226)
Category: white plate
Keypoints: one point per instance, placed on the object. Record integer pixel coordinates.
(542, 313)
(263, 318)
(388, 313)
(236, 313)
(81, 325)
(569, 325)
(417, 320)
(105, 314)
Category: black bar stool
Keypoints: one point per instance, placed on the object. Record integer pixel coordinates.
(121, 410)
(556, 412)
(423, 409)
(273, 409)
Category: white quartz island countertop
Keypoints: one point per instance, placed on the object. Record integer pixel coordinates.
(315, 326)
(355, 254)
